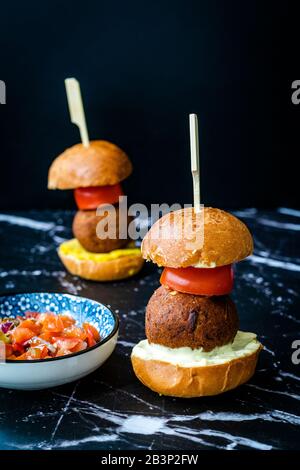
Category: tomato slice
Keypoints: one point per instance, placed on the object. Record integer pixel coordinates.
(89, 334)
(47, 336)
(88, 327)
(93, 196)
(80, 347)
(199, 281)
(32, 325)
(36, 352)
(21, 335)
(67, 320)
(18, 348)
(66, 343)
(52, 323)
(74, 332)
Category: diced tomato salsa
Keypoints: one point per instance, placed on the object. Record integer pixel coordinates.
(45, 335)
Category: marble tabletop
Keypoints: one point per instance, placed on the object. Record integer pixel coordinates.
(111, 409)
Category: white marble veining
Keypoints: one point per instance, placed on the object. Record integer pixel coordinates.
(278, 225)
(120, 423)
(26, 222)
(288, 211)
(274, 263)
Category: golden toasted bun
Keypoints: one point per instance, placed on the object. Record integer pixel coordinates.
(226, 239)
(100, 164)
(188, 382)
(112, 270)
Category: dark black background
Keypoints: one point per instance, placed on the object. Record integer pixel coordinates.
(143, 67)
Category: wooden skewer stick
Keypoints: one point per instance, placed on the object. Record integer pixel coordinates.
(195, 164)
(76, 108)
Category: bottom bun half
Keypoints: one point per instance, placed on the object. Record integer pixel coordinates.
(111, 268)
(167, 378)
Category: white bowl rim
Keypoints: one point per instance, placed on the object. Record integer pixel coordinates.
(67, 356)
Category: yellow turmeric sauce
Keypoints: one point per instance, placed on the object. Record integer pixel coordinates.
(73, 248)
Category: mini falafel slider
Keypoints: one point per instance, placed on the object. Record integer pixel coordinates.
(95, 174)
(194, 347)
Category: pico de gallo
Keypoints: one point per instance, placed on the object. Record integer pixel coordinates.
(45, 336)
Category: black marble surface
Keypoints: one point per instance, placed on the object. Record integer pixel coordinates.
(110, 409)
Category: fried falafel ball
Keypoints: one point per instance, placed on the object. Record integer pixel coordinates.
(175, 320)
(85, 230)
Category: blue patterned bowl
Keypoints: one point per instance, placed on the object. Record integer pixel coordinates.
(44, 373)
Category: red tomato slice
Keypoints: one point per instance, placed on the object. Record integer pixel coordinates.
(37, 352)
(90, 339)
(199, 281)
(18, 348)
(80, 346)
(93, 196)
(74, 332)
(67, 320)
(47, 336)
(92, 334)
(67, 343)
(32, 325)
(52, 323)
(21, 335)
(90, 328)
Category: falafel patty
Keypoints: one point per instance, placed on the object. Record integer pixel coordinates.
(175, 320)
(85, 230)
